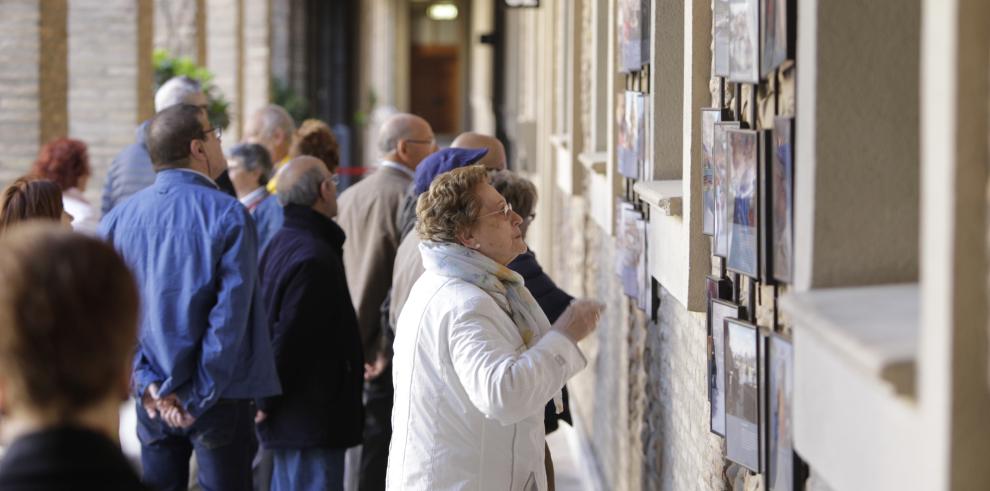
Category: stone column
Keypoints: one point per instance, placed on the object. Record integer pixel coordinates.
(110, 89)
(225, 58)
(256, 42)
(32, 86)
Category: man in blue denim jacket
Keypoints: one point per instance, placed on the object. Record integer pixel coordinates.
(203, 352)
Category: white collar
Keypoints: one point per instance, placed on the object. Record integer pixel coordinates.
(253, 196)
(186, 169)
(399, 167)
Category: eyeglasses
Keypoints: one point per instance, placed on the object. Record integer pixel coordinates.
(506, 211)
(530, 218)
(429, 142)
(218, 131)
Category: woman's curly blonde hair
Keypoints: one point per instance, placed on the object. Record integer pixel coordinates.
(450, 205)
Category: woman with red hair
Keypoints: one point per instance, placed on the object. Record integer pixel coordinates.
(65, 162)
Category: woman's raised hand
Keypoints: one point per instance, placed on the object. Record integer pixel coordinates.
(580, 319)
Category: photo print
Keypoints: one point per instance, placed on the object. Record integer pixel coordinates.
(630, 35)
(632, 133)
(720, 311)
(744, 28)
(722, 38)
(720, 145)
(742, 394)
(708, 119)
(644, 29)
(782, 199)
(773, 41)
(632, 251)
(743, 202)
(783, 465)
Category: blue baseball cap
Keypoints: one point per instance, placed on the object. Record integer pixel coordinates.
(442, 161)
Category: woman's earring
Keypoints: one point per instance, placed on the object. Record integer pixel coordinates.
(476, 246)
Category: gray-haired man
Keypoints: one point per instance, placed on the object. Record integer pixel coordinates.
(131, 171)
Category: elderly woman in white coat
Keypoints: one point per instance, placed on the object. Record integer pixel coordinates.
(475, 358)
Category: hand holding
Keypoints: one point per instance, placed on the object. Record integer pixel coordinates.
(580, 319)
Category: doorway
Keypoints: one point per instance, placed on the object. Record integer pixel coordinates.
(438, 64)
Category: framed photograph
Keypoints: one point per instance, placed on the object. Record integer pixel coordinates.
(742, 393)
(630, 35)
(743, 203)
(782, 199)
(744, 49)
(631, 134)
(720, 160)
(643, 295)
(639, 133)
(632, 252)
(784, 470)
(773, 41)
(708, 119)
(722, 36)
(644, 28)
(720, 310)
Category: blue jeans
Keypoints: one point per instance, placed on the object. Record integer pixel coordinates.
(308, 469)
(222, 437)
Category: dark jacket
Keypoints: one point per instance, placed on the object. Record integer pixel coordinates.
(553, 301)
(130, 172)
(66, 458)
(314, 335)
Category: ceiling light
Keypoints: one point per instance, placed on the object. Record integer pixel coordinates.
(442, 11)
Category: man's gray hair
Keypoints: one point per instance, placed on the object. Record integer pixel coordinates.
(304, 191)
(399, 126)
(177, 90)
(275, 117)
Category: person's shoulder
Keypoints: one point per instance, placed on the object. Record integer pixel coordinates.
(462, 297)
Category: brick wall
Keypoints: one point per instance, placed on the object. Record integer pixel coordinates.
(107, 98)
(19, 87)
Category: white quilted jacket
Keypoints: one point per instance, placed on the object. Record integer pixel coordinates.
(469, 396)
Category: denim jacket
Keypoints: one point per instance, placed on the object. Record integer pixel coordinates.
(194, 253)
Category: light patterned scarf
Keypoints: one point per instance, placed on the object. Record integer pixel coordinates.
(505, 286)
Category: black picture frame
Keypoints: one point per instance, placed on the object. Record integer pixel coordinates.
(781, 200)
(744, 41)
(742, 197)
(783, 470)
(743, 435)
(720, 241)
(766, 208)
(709, 117)
(719, 311)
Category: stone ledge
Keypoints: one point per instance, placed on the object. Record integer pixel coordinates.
(874, 328)
(665, 195)
(596, 162)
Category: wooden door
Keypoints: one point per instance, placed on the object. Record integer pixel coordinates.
(434, 86)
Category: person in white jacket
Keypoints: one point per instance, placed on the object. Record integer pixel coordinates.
(475, 358)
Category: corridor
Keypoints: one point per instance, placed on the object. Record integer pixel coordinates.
(750, 239)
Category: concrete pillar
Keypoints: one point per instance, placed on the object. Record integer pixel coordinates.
(281, 36)
(225, 58)
(110, 79)
(856, 176)
(955, 95)
(482, 75)
(180, 28)
(32, 86)
(256, 46)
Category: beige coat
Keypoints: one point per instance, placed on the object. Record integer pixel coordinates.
(367, 213)
(408, 269)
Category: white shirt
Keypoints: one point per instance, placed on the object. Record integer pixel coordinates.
(84, 216)
(469, 395)
(399, 167)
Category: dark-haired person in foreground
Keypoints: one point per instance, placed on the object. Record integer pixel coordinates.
(203, 350)
(64, 374)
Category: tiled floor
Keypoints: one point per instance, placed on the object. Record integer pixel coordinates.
(565, 464)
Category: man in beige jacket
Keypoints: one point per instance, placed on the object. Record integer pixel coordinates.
(367, 214)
